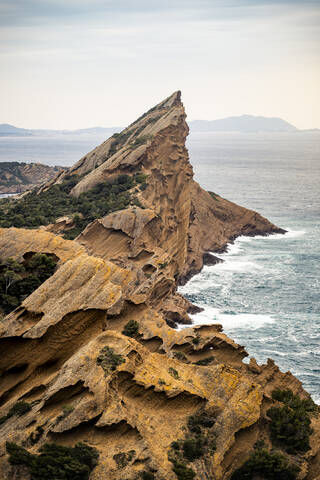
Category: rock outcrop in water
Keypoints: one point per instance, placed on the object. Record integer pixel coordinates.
(92, 352)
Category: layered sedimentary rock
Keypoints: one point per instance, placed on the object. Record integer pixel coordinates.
(126, 267)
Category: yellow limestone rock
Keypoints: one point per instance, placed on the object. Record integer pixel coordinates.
(123, 267)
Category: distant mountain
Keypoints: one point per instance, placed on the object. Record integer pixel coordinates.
(6, 129)
(242, 123)
(10, 130)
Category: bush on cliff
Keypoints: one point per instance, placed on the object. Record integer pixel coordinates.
(131, 329)
(182, 471)
(55, 462)
(290, 425)
(204, 361)
(18, 280)
(266, 465)
(109, 360)
(19, 409)
(199, 441)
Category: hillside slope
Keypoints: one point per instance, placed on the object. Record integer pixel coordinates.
(91, 351)
(18, 177)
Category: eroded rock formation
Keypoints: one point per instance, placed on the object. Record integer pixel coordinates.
(58, 345)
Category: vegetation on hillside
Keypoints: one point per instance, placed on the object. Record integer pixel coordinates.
(290, 425)
(266, 465)
(35, 209)
(131, 329)
(55, 462)
(11, 173)
(198, 441)
(18, 280)
(18, 177)
(109, 360)
(19, 409)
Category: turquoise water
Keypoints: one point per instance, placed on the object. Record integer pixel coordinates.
(266, 294)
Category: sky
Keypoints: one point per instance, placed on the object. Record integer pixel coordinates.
(78, 63)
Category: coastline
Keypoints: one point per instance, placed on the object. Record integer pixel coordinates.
(263, 334)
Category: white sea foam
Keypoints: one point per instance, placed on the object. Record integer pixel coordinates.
(294, 233)
(272, 352)
(231, 265)
(316, 398)
(212, 315)
(275, 236)
(234, 248)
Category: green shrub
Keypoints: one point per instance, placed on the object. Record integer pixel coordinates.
(18, 455)
(141, 140)
(200, 420)
(123, 458)
(174, 373)
(140, 178)
(147, 475)
(18, 280)
(288, 397)
(193, 448)
(290, 428)
(265, 465)
(161, 381)
(204, 362)
(198, 441)
(290, 425)
(56, 462)
(3, 419)
(180, 356)
(196, 340)
(131, 329)
(109, 360)
(34, 437)
(35, 209)
(163, 265)
(214, 196)
(182, 471)
(176, 445)
(19, 409)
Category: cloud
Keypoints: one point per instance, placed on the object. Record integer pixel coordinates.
(49, 11)
(142, 49)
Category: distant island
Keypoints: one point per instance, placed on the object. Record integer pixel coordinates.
(7, 130)
(242, 123)
(18, 177)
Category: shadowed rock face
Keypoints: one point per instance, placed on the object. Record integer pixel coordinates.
(127, 266)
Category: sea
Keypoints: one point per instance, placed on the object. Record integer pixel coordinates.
(266, 293)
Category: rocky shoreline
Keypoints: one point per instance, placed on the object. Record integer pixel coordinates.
(93, 352)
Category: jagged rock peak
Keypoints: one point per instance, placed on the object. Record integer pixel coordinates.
(133, 139)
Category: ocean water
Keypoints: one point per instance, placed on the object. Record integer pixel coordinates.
(63, 150)
(266, 293)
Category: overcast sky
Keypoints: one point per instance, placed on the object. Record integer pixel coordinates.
(83, 63)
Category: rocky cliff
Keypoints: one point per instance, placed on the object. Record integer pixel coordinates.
(92, 351)
(18, 177)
